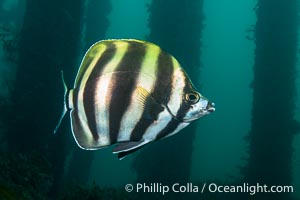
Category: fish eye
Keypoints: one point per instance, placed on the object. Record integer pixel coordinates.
(192, 97)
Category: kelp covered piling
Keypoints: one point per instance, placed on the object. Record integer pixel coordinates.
(48, 43)
(96, 21)
(273, 125)
(176, 26)
(95, 26)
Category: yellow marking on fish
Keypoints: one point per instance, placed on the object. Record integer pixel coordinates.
(151, 57)
(95, 51)
(121, 49)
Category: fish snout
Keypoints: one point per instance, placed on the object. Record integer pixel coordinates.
(210, 107)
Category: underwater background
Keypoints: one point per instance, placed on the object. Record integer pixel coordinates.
(243, 55)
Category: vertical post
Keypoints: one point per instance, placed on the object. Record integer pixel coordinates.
(177, 27)
(273, 125)
(48, 44)
(96, 24)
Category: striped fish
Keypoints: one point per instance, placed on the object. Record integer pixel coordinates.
(130, 93)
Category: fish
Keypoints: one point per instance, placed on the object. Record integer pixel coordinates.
(129, 93)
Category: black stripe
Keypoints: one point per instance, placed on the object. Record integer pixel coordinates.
(161, 93)
(123, 85)
(89, 89)
(184, 108)
(171, 127)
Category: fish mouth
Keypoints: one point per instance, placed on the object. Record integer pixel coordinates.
(210, 107)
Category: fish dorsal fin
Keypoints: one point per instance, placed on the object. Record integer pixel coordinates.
(128, 146)
(150, 105)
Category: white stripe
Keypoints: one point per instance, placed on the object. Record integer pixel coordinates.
(81, 112)
(178, 85)
(179, 128)
(101, 109)
(146, 79)
(103, 94)
(162, 121)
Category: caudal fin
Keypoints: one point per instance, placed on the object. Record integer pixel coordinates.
(65, 109)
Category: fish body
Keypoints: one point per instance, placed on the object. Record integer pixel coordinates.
(129, 93)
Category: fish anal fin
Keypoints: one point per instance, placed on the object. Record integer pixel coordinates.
(123, 154)
(149, 103)
(128, 146)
